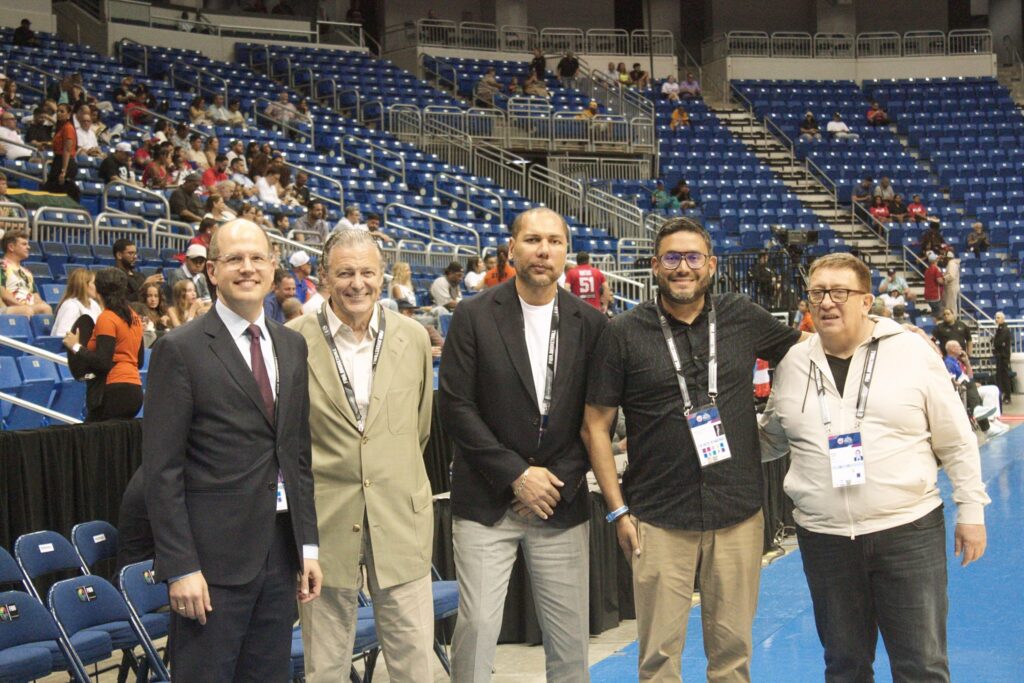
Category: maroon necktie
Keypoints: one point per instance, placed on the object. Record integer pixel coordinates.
(259, 369)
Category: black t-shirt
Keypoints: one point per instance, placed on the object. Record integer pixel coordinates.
(568, 66)
(539, 66)
(664, 484)
(945, 332)
(840, 368)
(112, 169)
(38, 132)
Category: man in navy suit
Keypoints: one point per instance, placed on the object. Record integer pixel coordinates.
(226, 459)
(512, 389)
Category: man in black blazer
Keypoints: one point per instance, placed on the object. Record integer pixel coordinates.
(512, 389)
(226, 459)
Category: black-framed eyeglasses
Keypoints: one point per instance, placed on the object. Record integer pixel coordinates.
(839, 295)
(670, 260)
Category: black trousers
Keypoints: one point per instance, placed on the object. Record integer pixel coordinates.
(248, 635)
(120, 401)
(1003, 379)
(68, 187)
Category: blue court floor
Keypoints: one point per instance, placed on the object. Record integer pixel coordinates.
(986, 611)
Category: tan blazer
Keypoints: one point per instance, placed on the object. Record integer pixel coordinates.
(380, 472)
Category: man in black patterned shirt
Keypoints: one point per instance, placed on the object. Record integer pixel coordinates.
(686, 506)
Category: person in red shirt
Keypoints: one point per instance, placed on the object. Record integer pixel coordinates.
(63, 169)
(879, 210)
(217, 173)
(877, 116)
(917, 211)
(587, 282)
(933, 285)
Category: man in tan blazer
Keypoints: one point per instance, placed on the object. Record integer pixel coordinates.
(370, 391)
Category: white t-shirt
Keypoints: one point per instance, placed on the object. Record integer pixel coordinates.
(266, 191)
(837, 127)
(474, 280)
(669, 88)
(890, 301)
(537, 327)
(70, 311)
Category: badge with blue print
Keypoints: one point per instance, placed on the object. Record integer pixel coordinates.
(282, 497)
(846, 454)
(708, 436)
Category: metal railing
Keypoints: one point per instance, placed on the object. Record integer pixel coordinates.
(597, 168)
(608, 41)
(71, 226)
(968, 309)
(791, 44)
(868, 45)
(924, 43)
(879, 44)
(969, 42)
(375, 157)
(617, 216)
(834, 45)
(169, 234)
(392, 219)
(145, 129)
(136, 190)
(306, 132)
(197, 85)
(17, 216)
(111, 226)
(28, 405)
(458, 189)
(124, 57)
(338, 203)
(558, 40)
(22, 69)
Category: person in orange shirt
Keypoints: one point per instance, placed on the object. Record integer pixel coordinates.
(806, 324)
(63, 169)
(114, 352)
(680, 118)
(500, 272)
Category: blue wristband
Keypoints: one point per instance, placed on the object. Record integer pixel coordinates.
(615, 514)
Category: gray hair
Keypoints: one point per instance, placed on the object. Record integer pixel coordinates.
(351, 208)
(347, 239)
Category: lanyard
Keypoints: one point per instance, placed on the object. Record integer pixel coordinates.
(549, 373)
(862, 393)
(378, 344)
(712, 359)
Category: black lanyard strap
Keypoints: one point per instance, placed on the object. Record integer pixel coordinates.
(862, 391)
(673, 351)
(549, 373)
(378, 344)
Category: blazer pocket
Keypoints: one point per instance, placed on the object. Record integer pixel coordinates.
(423, 517)
(403, 412)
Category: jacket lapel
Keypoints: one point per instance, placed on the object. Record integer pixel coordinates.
(225, 349)
(395, 343)
(508, 316)
(284, 379)
(325, 372)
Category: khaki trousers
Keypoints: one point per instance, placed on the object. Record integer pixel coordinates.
(730, 574)
(404, 615)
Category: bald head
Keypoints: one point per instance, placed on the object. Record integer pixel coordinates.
(538, 214)
(953, 348)
(230, 231)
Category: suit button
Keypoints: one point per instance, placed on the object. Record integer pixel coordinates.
(531, 461)
(272, 487)
(366, 440)
(356, 527)
(366, 483)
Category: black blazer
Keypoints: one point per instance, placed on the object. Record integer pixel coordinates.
(211, 454)
(489, 406)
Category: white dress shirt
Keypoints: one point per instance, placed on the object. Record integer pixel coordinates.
(13, 151)
(86, 139)
(356, 356)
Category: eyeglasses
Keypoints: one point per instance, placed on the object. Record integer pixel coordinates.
(670, 260)
(839, 295)
(236, 261)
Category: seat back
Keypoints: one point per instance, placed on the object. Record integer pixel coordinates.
(9, 572)
(142, 591)
(95, 541)
(23, 619)
(44, 552)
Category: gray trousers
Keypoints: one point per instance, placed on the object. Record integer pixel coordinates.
(559, 564)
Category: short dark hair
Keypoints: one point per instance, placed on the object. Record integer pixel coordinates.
(206, 225)
(120, 245)
(10, 237)
(453, 267)
(279, 275)
(372, 217)
(221, 157)
(582, 258)
(682, 224)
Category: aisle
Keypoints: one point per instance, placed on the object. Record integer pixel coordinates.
(986, 632)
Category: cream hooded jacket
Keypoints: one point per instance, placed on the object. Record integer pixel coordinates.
(914, 423)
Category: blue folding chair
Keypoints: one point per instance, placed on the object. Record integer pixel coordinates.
(446, 604)
(28, 636)
(95, 541)
(90, 604)
(146, 597)
(365, 646)
(45, 552)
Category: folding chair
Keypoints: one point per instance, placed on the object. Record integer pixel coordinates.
(95, 541)
(365, 646)
(146, 597)
(446, 604)
(90, 604)
(45, 552)
(28, 636)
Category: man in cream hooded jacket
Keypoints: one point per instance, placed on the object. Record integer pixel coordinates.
(868, 413)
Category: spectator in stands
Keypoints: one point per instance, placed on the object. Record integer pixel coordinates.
(197, 112)
(589, 283)
(60, 90)
(18, 291)
(5, 211)
(1002, 347)
(204, 233)
(589, 112)
(217, 209)
(670, 89)
(158, 174)
(180, 137)
(767, 285)
(373, 227)
(239, 177)
(12, 145)
(539, 65)
(809, 129)
(312, 222)
(125, 255)
(217, 173)
(838, 130)
(185, 205)
(114, 353)
(933, 285)
(977, 239)
(445, 289)
(490, 261)
(488, 86)
(88, 144)
(951, 328)
(282, 224)
(153, 309)
(180, 168)
(662, 199)
(877, 116)
(217, 112)
(351, 219)
(639, 78)
(682, 194)
(401, 289)
(502, 270)
(958, 364)
(292, 309)
(951, 281)
(436, 340)
(194, 270)
(236, 119)
(892, 283)
(513, 87)
(39, 133)
(535, 87)
(64, 168)
(879, 209)
(690, 88)
(300, 188)
(266, 186)
(195, 154)
(931, 239)
(897, 209)
(118, 165)
(303, 114)
(803, 320)
(568, 68)
(302, 268)
(885, 190)
(24, 36)
(475, 272)
(281, 110)
(9, 97)
(891, 299)
(622, 75)
(136, 112)
(861, 193)
(284, 288)
(211, 149)
(185, 304)
(127, 91)
(680, 119)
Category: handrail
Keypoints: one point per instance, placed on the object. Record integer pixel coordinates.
(149, 112)
(256, 48)
(375, 149)
(173, 77)
(825, 181)
(36, 408)
(288, 67)
(33, 350)
(880, 229)
(865, 45)
(358, 30)
(340, 202)
(396, 206)
(311, 82)
(119, 48)
(158, 196)
(21, 216)
(22, 66)
(170, 234)
(260, 114)
(440, 191)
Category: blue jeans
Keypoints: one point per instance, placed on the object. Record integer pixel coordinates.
(893, 581)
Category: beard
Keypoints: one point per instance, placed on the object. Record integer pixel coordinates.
(665, 289)
(534, 280)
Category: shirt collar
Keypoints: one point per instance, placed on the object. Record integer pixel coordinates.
(237, 325)
(334, 323)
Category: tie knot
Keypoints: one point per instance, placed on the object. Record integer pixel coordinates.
(254, 333)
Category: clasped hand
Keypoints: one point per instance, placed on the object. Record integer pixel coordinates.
(538, 494)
